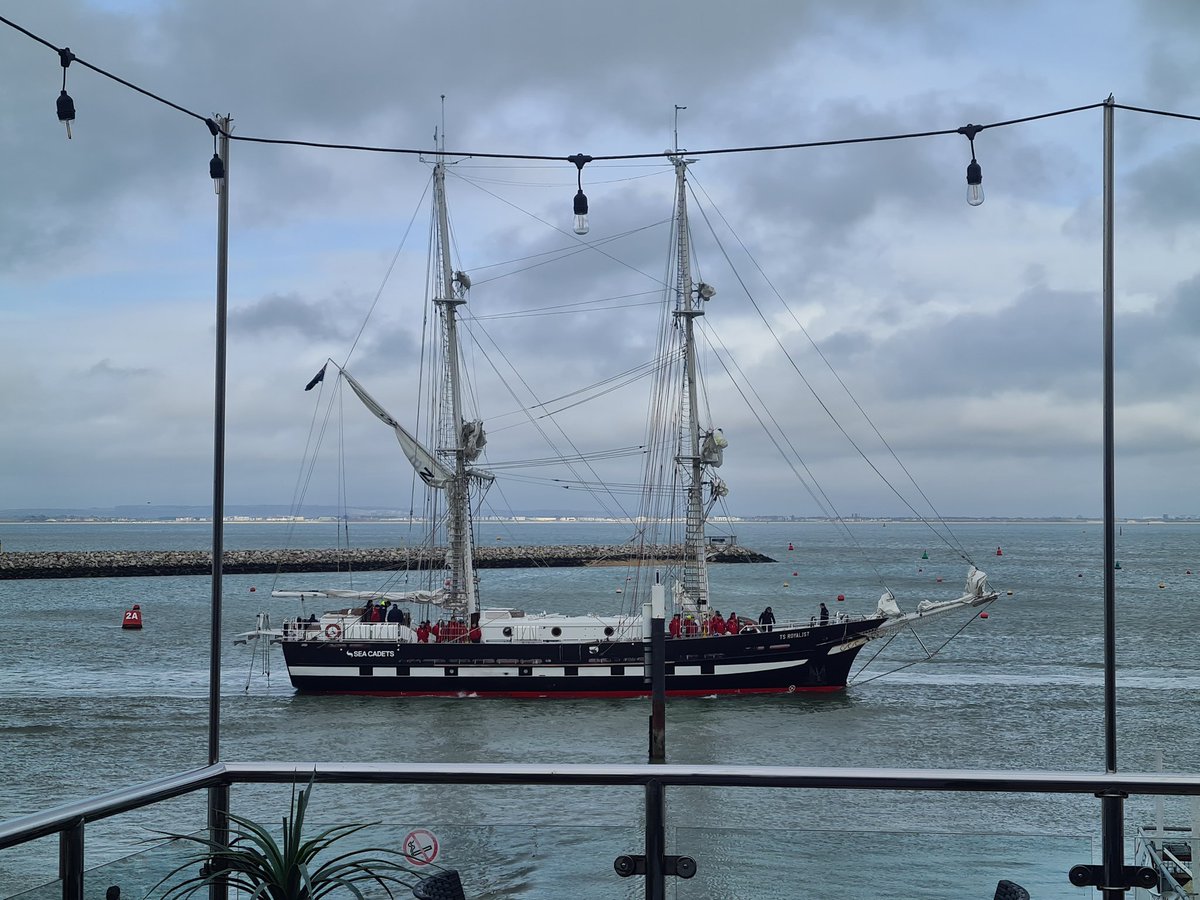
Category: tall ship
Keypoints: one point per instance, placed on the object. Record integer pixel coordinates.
(443, 640)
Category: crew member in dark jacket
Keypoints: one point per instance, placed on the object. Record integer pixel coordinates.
(824, 614)
(767, 619)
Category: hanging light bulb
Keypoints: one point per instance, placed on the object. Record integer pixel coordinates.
(974, 170)
(66, 110)
(216, 170)
(216, 165)
(65, 105)
(581, 212)
(974, 183)
(581, 201)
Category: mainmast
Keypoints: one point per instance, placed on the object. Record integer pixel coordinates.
(687, 308)
(450, 294)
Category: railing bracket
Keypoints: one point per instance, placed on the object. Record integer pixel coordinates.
(1131, 877)
(679, 866)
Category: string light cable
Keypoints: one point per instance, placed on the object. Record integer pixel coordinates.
(66, 114)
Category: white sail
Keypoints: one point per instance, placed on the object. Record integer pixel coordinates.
(432, 472)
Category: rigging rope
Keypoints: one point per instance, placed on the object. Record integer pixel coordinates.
(854, 679)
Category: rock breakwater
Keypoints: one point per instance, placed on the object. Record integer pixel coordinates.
(112, 564)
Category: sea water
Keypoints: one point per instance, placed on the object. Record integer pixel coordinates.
(86, 707)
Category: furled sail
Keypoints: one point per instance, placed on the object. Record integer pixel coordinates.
(473, 439)
(432, 472)
(435, 597)
(712, 450)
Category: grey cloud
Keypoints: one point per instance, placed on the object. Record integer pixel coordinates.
(278, 314)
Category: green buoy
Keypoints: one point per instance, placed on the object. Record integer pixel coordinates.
(925, 554)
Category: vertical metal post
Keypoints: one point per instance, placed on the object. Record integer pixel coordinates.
(656, 840)
(658, 675)
(218, 830)
(218, 796)
(1112, 806)
(70, 861)
(218, 503)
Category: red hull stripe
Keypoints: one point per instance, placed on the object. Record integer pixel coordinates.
(589, 695)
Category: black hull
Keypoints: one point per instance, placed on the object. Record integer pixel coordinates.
(781, 661)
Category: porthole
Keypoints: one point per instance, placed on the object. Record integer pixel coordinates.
(507, 631)
(556, 631)
(608, 631)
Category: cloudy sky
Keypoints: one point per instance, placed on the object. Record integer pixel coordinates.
(971, 336)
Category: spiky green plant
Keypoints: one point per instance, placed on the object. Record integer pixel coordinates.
(287, 869)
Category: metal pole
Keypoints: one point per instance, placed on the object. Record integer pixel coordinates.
(70, 861)
(1112, 805)
(656, 842)
(218, 796)
(218, 504)
(218, 830)
(658, 675)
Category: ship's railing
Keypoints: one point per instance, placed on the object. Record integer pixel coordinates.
(1157, 846)
(69, 822)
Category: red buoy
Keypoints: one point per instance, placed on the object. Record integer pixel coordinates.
(983, 615)
(790, 547)
(841, 597)
(133, 617)
(999, 552)
(252, 590)
(794, 574)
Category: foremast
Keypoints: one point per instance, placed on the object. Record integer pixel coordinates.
(687, 308)
(450, 293)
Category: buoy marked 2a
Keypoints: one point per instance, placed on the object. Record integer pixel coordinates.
(420, 847)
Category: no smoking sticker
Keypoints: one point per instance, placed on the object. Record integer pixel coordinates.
(420, 847)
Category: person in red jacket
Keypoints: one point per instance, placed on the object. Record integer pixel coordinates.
(718, 624)
(675, 626)
(690, 627)
(423, 633)
(732, 624)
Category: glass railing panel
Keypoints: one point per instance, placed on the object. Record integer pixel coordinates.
(30, 871)
(891, 843)
(852, 864)
(493, 861)
(51, 891)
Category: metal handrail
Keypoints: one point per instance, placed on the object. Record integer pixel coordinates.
(72, 815)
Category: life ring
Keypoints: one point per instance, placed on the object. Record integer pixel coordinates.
(749, 629)
(333, 631)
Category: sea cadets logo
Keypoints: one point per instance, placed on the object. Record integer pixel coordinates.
(360, 653)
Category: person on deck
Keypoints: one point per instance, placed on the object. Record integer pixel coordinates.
(676, 626)
(394, 614)
(376, 614)
(717, 625)
(436, 630)
(824, 614)
(731, 624)
(423, 633)
(767, 619)
(690, 628)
